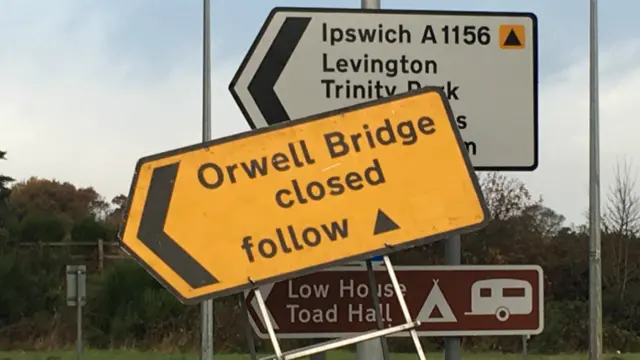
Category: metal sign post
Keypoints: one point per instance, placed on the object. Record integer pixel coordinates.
(452, 348)
(375, 349)
(248, 332)
(595, 270)
(77, 296)
(206, 307)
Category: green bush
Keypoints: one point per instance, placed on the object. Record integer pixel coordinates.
(4, 240)
(31, 289)
(566, 326)
(132, 308)
(42, 227)
(88, 229)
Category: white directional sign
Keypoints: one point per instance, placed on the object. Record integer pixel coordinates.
(306, 61)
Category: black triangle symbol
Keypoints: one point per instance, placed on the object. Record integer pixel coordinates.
(384, 224)
(512, 39)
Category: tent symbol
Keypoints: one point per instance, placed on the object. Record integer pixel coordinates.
(436, 302)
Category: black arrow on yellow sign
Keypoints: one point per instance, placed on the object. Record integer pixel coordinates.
(152, 234)
(384, 224)
(512, 39)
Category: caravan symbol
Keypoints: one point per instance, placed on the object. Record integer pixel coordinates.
(501, 297)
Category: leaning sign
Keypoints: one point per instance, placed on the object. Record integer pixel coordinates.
(462, 300)
(309, 60)
(224, 216)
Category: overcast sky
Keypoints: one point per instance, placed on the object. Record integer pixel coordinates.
(88, 87)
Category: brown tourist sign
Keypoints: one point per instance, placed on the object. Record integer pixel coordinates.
(468, 300)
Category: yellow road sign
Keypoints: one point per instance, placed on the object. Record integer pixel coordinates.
(217, 218)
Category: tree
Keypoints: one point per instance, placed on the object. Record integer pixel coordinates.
(621, 223)
(119, 201)
(543, 221)
(118, 204)
(60, 198)
(5, 191)
(4, 180)
(510, 236)
(88, 229)
(622, 212)
(505, 196)
(44, 227)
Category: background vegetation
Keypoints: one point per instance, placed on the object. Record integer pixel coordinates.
(128, 308)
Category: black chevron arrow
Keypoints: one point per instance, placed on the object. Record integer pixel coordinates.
(152, 234)
(262, 86)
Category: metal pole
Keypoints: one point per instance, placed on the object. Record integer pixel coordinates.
(319, 356)
(378, 310)
(206, 71)
(525, 345)
(206, 308)
(251, 344)
(452, 250)
(370, 4)
(595, 274)
(371, 349)
(78, 316)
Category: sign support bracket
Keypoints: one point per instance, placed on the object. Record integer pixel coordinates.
(338, 343)
(267, 323)
(403, 306)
